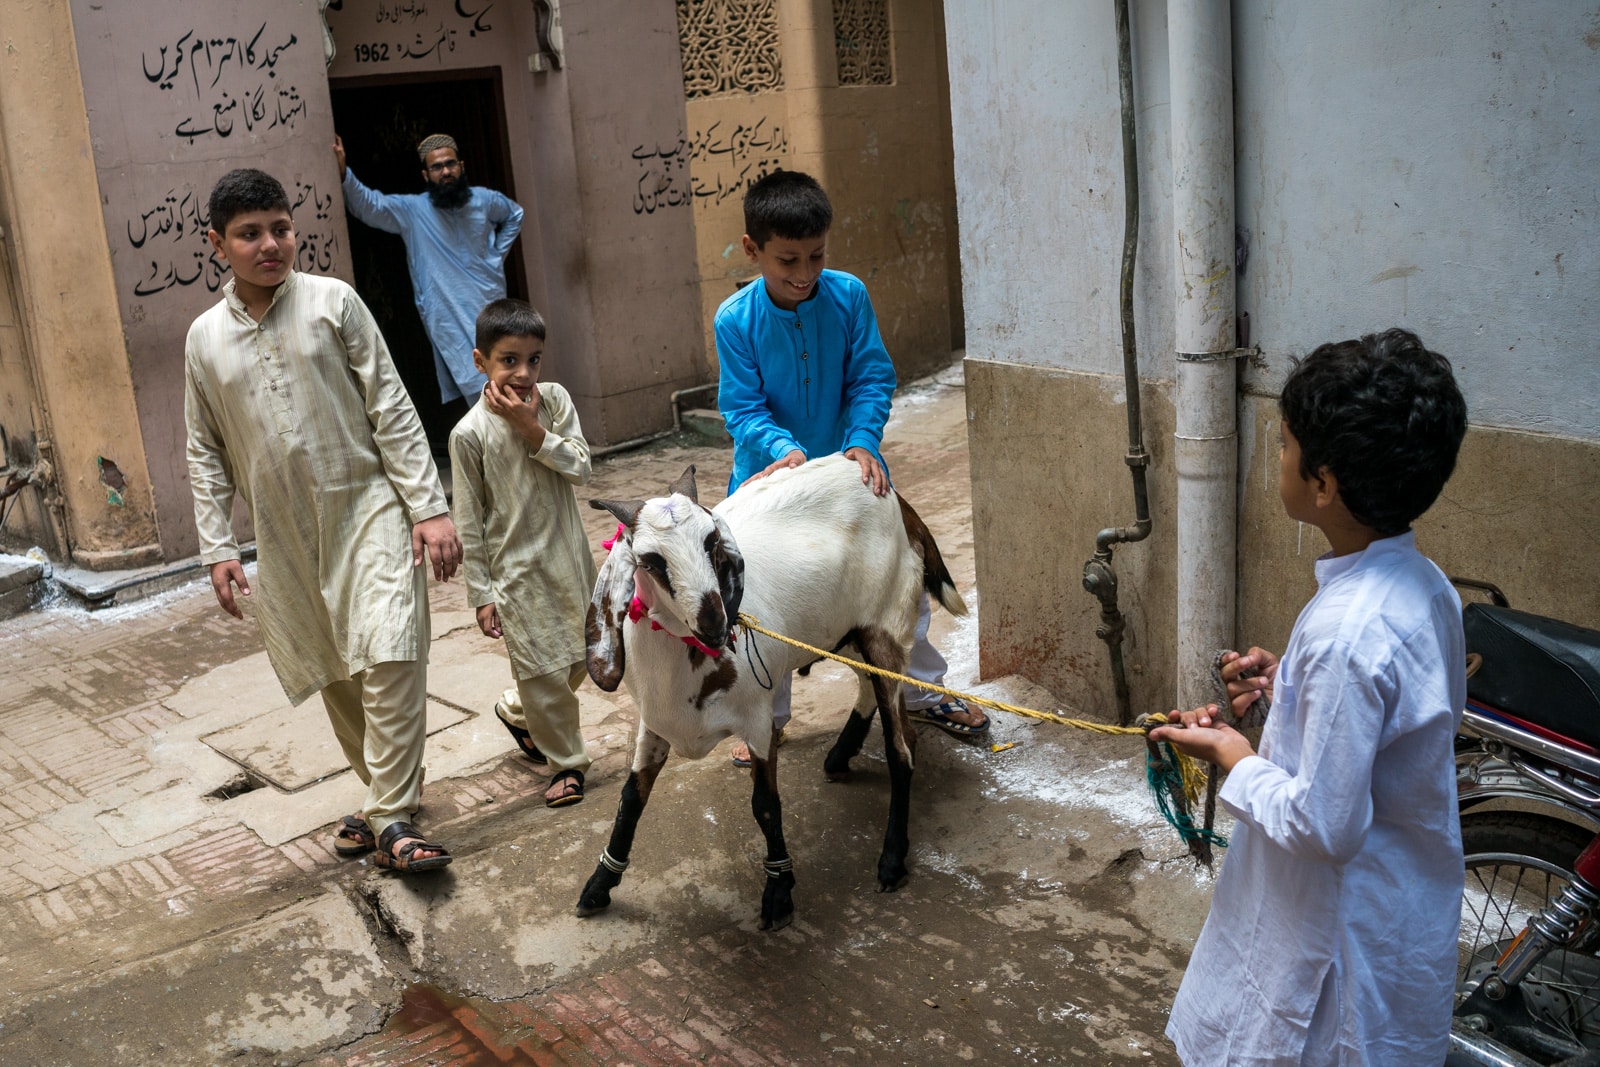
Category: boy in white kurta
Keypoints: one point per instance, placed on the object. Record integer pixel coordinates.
(1333, 927)
(292, 401)
(516, 456)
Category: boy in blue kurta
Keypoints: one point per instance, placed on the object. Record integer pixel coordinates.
(805, 374)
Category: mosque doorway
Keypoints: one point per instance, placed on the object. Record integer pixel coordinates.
(381, 119)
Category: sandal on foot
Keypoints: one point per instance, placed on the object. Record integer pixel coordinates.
(410, 841)
(574, 793)
(354, 837)
(783, 735)
(939, 715)
(523, 738)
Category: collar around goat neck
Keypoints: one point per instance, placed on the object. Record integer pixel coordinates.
(637, 610)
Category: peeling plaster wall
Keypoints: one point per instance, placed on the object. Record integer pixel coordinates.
(1424, 166)
(71, 343)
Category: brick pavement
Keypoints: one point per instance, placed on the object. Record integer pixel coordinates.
(84, 694)
(87, 703)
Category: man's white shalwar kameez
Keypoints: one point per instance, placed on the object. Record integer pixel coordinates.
(1333, 927)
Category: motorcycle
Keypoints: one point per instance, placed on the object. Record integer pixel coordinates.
(1528, 781)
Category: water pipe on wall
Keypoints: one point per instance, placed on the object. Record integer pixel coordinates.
(1205, 447)
(1099, 577)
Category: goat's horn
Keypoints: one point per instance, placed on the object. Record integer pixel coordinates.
(685, 485)
(625, 510)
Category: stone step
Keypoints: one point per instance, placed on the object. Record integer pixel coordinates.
(22, 584)
(707, 424)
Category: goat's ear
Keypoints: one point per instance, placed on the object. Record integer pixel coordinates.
(604, 651)
(625, 510)
(730, 571)
(685, 485)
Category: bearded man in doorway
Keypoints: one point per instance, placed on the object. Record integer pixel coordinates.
(457, 236)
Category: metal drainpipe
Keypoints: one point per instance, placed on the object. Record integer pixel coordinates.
(1206, 454)
(1099, 577)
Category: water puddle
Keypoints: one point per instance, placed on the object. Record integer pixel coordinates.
(436, 1027)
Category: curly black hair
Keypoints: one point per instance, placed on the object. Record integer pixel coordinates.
(1383, 414)
(786, 204)
(241, 191)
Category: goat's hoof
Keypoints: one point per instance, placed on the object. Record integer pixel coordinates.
(836, 768)
(593, 904)
(596, 895)
(777, 902)
(892, 874)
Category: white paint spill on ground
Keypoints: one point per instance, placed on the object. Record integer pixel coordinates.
(1041, 771)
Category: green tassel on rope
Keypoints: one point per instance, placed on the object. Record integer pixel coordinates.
(1170, 780)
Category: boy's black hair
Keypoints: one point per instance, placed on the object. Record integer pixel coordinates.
(1385, 416)
(507, 317)
(786, 204)
(239, 191)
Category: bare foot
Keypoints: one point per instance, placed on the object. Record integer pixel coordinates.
(968, 716)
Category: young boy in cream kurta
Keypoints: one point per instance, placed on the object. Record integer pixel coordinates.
(528, 566)
(292, 400)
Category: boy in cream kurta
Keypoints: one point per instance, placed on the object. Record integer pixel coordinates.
(292, 401)
(529, 570)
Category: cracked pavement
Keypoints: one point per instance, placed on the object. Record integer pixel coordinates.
(168, 891)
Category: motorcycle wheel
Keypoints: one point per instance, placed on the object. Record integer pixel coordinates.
(1515, 864)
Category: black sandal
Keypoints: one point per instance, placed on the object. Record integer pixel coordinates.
(410, 842)
(354, 837)
(523, 738)
(572, 797)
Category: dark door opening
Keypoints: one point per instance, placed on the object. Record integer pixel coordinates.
(381, 119)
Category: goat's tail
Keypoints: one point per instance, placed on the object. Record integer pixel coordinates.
(935, 576)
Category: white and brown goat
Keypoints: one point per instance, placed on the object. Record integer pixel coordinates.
(810, 552)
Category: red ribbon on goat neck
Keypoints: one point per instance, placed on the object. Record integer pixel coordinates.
(637, 610)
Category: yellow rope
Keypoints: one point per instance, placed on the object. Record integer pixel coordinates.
(1190, 770)
(1150, 722)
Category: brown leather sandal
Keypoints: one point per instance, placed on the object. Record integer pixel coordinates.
(354, 837)
(410, 842)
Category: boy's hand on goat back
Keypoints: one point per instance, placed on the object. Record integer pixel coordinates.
(489, 620)
(1196, 733)
(224, 576)
(793, 459)
(872, 472)
(1243, 691)
(438, 536)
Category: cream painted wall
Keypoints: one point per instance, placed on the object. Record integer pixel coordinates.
(617, 282)
(1424, 166)
(67, 295)
(177, 96)
(881, 151)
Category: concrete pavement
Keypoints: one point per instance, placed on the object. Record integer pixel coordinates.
(168, 893)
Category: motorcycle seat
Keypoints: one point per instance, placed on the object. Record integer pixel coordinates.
(1539, 669)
